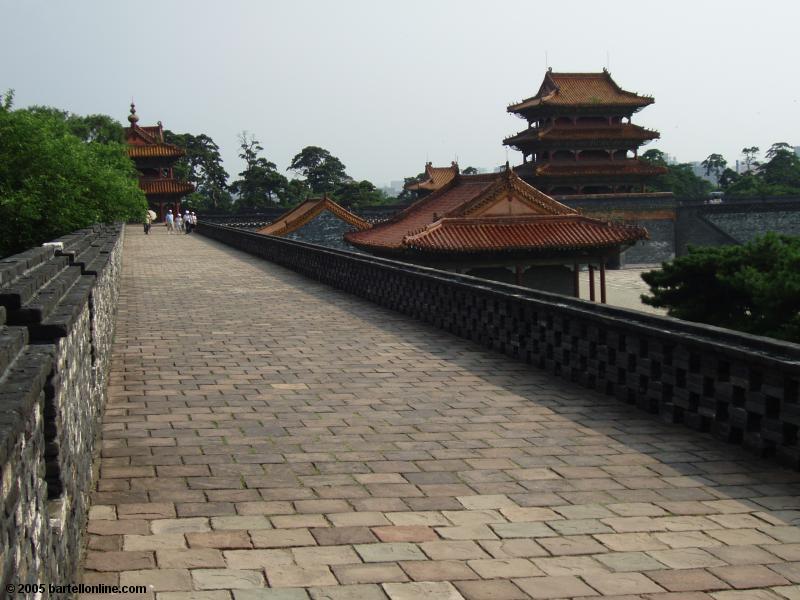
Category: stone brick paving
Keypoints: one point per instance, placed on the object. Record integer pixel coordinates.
(265, 430)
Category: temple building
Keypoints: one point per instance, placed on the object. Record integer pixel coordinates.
(580, 139)
(499, 227)
(306, 211)
(435, 178)
(154, 160)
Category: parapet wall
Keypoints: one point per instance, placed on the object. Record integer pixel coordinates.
(744, 389)
(57, 309)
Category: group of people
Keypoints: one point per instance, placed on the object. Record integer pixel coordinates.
(180, 223)
(176, 223)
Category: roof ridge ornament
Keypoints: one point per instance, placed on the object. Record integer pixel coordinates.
(133, 118)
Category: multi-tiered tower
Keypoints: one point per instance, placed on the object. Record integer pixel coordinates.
(580, 139)
(154, 159)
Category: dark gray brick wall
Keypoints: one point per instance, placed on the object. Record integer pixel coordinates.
(54, 364)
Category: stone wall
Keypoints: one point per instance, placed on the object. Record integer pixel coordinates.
(744, 389)
(57, 308)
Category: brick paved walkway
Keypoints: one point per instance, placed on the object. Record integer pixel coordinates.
(263, 429)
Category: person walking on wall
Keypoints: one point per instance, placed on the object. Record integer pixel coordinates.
(187, 222)
(148, 221)
(169, 221)
(178, 223)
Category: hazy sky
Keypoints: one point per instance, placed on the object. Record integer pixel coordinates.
(386, 85)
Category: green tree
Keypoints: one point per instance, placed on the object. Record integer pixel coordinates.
(714, 165)
(259, 183)
(753, 288)
(293, 192)
(655, 157)
(358, 194)
(750, 155)
(470, 171)
(779, 176)
(777, 148)
(679, 179)
(90, 128)
(53, 182)
(323, 171)
(202, 166)
(727, 178)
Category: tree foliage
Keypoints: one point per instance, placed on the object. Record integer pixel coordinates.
(90, 128)
(53, 181)
(714, 165)
(260, 182)
(778, 176)
(358, 194)
(323, 172)
(679, 179)
(202, 166)
(753, 288)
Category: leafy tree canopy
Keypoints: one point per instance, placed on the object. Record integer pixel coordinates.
(202, 166)
(323, 171)
(259, 184)
(358, 194)
(53, 181)
(90, 128)
(778, 176)
(753, 288)
(714, 165)
(679, 179)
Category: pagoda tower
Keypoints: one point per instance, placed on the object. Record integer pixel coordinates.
(580, 139)
(154, 160)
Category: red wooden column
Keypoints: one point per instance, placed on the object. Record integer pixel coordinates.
(591, 283)
(603, 282)
(576, 281)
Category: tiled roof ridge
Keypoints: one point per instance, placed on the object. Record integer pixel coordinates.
(434, 174)
(320, 204)
(600, 233)
(510, 180)
(549, 92)
(158, 149)
(165, 186)
(142, 132)
(541, 133)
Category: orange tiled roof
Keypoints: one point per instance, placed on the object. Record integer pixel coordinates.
(626, 131)
(581, 89)
(438, 177)
(165, 186)
(459, 218)
(155, 151)
(630, 166)
(304, 212)
(542, 233)
(390, 233)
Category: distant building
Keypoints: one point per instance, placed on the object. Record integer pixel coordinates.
(435, 178)
(154, 159)
(580, 139)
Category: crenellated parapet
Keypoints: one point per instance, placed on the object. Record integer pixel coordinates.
(57, 310)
